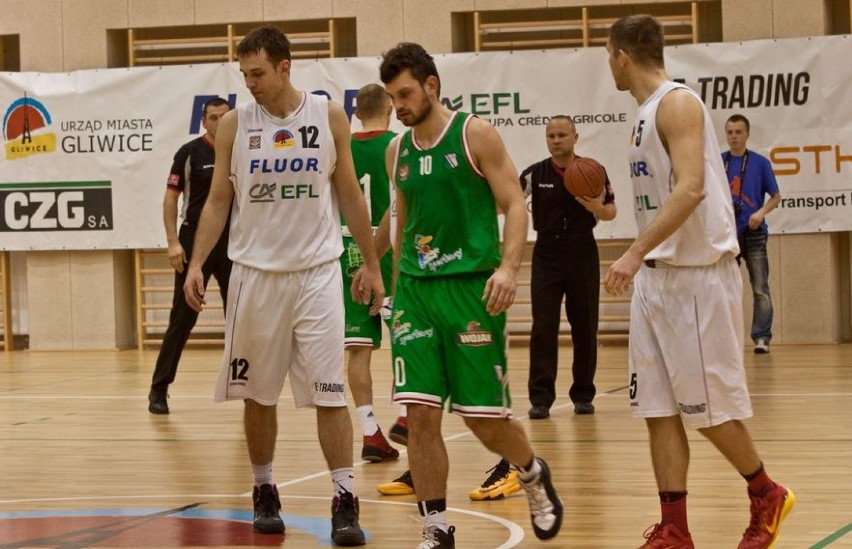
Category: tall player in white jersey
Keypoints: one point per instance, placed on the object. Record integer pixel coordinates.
(285, 162)
(686, 335)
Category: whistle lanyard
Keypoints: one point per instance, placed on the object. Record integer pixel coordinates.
(742, 170)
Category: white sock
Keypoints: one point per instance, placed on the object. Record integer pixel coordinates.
(262, 474)
(368, 420)
(342, 480)
(532, 473)
(439, 519)
(403, 411)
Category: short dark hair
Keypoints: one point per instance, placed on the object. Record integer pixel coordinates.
(641, 36)
(215, 102)
(565, 117)
(270, 39)
(739, 118)
(371, 101)
(411, 56)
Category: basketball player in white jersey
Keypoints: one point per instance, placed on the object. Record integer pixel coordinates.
(686, 340)
(284, 160)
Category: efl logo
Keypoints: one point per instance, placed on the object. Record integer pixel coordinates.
(66, 206)
(25, 128)
(487, 103)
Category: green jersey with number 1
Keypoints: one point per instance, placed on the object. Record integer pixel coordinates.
(451, 217)
(368, 154)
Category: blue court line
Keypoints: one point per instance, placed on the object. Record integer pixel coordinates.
(316, 526)
(833, 537)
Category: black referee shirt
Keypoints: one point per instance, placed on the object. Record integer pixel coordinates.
(192, 174)
(554, 210)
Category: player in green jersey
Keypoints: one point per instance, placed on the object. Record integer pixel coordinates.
(451, 171)
(363, 330)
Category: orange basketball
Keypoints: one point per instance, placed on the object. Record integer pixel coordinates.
(584, 177)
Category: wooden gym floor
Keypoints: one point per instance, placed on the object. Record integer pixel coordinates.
(83, 464)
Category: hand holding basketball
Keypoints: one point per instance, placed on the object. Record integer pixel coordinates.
(584, 177)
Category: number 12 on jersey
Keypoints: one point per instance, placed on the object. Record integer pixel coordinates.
(239, 369)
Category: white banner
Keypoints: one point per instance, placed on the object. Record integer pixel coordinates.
(86, 154)
(797, 94)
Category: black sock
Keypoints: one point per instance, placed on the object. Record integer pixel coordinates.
(432, 506)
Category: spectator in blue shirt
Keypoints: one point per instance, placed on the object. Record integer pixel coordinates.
(751, 178)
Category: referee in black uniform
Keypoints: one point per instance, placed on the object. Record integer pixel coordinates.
(565, 265)
(191, 174)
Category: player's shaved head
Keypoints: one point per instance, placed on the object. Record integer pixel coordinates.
(564, 118)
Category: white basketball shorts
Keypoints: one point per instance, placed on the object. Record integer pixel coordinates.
(279, 323)
(686, 344)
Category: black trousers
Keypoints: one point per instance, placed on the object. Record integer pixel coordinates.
(182, 317)
(564, 266)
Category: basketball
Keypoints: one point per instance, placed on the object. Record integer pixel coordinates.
(584, 177)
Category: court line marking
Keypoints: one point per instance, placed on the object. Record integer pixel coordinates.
(831, 538)
(99, 498)
(603, 394)
(516, 533)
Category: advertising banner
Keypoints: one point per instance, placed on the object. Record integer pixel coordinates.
(86, 154)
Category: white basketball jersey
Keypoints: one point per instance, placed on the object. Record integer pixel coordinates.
(285, 215)
(709, 232)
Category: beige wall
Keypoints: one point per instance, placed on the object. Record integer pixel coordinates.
(808, 280)
(772, 19)
(78, 300)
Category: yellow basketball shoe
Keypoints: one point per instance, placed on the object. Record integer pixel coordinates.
(502, 483)
(402, 486)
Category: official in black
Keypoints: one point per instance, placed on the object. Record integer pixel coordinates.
(191, 175)
(565, 265)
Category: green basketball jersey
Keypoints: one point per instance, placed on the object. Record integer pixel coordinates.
(368, 153)
(451, 216)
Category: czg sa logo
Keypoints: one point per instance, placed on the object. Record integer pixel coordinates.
(58, 209)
